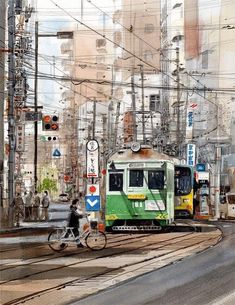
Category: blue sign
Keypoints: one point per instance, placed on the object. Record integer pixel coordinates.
(56, 153)
(190, 119)
(191, 154)
(92, 203)
(200, 167)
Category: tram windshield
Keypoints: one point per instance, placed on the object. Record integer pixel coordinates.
(231, 199)
(156, 179)
(183, 181)
(115, 182)
(136, 178)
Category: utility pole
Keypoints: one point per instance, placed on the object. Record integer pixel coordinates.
(177, 60)
(110, 112)
(2, 97)
(116, 125)
(36, 107)
(94, 119)
(142, 100)
(11, 117)
(133, 106)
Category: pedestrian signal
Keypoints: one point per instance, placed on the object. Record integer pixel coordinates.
(52, 138)
(49, 138)
(50, 122)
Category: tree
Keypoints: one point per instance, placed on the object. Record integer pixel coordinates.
(48, 184)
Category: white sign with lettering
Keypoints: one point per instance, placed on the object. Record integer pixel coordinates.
(92, 159)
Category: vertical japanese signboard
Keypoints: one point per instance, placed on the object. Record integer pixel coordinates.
(189, 120)
(191, 154)
(92, 157)
(20, 137)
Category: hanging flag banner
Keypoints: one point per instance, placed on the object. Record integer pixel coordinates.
(92, 158)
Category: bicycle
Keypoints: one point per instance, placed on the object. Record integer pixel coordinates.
(91, 237)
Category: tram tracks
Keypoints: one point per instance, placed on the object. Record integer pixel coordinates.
(144, 261)
(111, 244)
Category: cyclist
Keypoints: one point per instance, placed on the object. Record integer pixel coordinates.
(73, 221)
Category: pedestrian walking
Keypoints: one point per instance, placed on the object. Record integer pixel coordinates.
(18, 205)
(36, 205)
(27, 205)
(45, 206)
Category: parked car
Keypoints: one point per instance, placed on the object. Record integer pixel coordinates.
(64, 197)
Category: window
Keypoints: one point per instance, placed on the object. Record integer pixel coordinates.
(183, 181)
(136, 178)
(148, 28)
(154, 102)
(115, 182)
(205, 57)
(148, 55)
(156, 179)
(100, 43)
(100, 59)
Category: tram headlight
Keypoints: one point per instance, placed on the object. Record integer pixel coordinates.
(135, 147)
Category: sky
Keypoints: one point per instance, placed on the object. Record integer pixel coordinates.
(51, 20)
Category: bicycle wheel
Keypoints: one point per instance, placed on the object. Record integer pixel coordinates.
(55, 240)
(96, 240)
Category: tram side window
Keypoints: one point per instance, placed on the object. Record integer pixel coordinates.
(156, 179)
(136, 178)
(115, 181)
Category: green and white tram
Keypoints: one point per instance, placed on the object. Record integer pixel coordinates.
(139, 190)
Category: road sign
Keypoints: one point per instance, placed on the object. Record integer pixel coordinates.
(56, 153)
(92, 203)
(201, 167)
(93, 189)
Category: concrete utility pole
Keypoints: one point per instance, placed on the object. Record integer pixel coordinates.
(133, 106)
(2, 95)
(11, 117)
(116, 125)
(36, 107)
(178, 136)
(94, 119)
(142, 101)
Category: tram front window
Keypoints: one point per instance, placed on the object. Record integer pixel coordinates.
(136, 178)
(115, 181)
(156, 179)
(183, 181)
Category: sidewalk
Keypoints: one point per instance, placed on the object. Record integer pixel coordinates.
(57, 218)
(31, 227)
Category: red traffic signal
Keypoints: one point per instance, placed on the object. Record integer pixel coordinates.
(50, 122)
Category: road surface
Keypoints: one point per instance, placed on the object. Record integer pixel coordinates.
(207, 278)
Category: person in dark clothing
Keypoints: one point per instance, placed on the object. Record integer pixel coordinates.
(73, 221)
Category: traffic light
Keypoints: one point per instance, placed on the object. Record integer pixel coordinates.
(50, 122)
